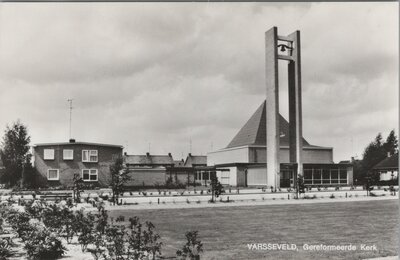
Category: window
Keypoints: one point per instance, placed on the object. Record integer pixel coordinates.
(48, 154)
(308, 174)
(68, 154)
(89, 174)
(53, 174)
(89, 156)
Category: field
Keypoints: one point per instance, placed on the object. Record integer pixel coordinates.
(225, 232)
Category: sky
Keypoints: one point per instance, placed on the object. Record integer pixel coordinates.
(185, 77)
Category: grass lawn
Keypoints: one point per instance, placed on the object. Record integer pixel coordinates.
(226, 231)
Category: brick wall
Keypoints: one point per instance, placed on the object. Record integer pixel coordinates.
(67, 168)
(146, 176)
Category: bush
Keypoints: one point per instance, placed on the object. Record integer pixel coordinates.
(19, 221)
(43, 244)
(5, 250)
(309, 197)
(98, 250)
(83, 226)
(192, 248)
(332, 196)
(61, 218)
(115, 237)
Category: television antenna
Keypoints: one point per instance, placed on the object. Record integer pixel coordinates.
(70, 117)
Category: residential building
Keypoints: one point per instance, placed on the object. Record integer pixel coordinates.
(388, 168)
(57, 163)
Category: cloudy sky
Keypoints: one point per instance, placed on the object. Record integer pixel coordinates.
(166, 74)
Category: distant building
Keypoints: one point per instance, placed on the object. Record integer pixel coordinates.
(57, 163)
(245, 158)
(148, 170)
(156, 170)
(388, 168)
(198, 163)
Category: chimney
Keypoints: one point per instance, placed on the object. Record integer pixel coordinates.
(352, 159)
(147, 154)
(190, 154)
(125, 153)
(169, 154)
(72, 141)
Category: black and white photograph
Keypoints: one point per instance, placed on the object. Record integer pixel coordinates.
(199, 130)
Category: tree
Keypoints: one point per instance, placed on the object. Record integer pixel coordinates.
(78, 187)
(119, 176)
(391, 144)
(375, 152)
(216, 188)
(15, 153)
(300, 185)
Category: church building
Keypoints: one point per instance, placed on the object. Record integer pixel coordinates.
(244, 158)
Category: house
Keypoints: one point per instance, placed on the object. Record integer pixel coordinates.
(148, 170)
(244, 158)
(57, 163)
(388, 168)
(198, 163)
(195, 160)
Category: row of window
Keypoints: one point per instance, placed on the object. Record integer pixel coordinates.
(87, 174)
(68, 154)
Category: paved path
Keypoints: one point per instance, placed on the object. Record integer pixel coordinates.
(242, 203)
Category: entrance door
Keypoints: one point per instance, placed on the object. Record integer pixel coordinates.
(287, 180)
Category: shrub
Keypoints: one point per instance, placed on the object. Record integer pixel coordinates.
(120, 219)
(43, 244)
(19, 221)
(332, 196)
(142, 242)
(309, 197)
(192, 248)
(61, 218)
(5, 250)
(83, 226)
(101, 220)
(115, 238)
(99, 246)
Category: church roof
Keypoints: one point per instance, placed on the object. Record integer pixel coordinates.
(254, 131)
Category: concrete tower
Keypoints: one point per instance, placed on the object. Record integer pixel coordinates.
(283, 48)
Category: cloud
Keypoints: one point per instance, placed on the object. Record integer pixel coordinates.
(168, 73)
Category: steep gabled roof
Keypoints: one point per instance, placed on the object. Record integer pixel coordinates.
(195, 160)
(391, 162)
(254, 131)
(149, 159)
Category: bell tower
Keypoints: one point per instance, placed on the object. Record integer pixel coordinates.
(286, 48)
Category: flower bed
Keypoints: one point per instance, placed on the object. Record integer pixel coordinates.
(44, 230)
